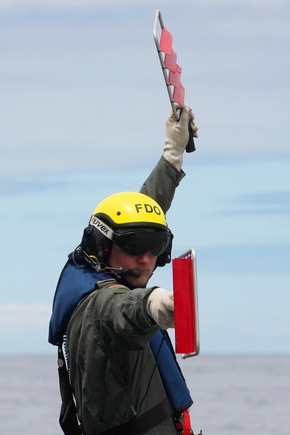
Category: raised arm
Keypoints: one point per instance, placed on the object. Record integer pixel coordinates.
(167, 174)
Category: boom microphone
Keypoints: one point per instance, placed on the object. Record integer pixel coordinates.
(135, 273)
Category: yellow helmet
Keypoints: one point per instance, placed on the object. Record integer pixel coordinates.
(128, 208)
(134, 222)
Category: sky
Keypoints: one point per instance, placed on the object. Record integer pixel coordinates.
(83, 110)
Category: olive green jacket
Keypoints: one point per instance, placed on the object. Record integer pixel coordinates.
(112, 369)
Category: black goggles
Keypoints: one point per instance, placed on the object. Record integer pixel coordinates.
(142, 241)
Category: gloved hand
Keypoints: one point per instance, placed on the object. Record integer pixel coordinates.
(160, 307)
(177, 135)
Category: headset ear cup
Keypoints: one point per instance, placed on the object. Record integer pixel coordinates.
(165, 258)
(88, 243)
(95, 243)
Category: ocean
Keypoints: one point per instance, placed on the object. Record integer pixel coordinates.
(232, 394)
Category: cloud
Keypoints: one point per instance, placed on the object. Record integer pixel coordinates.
(67, 4)
(76, 82)
(24, 328)
(270, 203)
(55, 4)
(26, 185)
(249, 259)
(21, 319)
(83, 4)
(10, 312)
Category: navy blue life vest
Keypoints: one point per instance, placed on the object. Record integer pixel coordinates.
(74, 284)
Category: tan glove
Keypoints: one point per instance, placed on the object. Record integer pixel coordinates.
(177, 135)
(160, 307)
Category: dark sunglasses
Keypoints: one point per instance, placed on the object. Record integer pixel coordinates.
(139, 242)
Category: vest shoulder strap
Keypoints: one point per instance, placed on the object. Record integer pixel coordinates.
(68, 416)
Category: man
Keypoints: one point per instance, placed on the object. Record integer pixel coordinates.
(123, 373)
